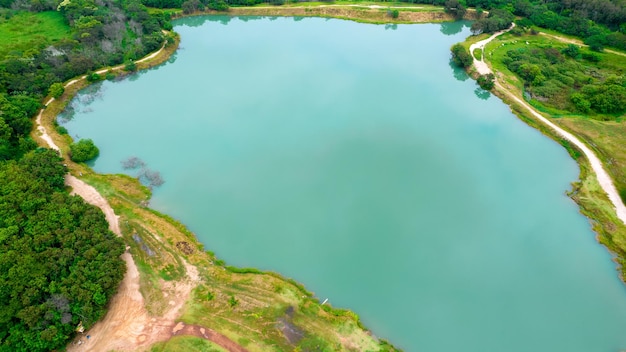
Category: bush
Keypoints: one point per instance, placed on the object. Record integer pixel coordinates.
(61, 130)
(130, 66)
(572, 50)
(393, 13)
(56, 90)
(83, 150)
(461, 57)
(486, 82)
(93, 77)
(591, 57)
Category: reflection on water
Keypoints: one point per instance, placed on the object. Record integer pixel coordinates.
(451, 28)
(458, 72)
(391, 26)
(481, 93)
(82, 102)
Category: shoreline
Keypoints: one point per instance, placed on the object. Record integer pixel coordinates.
(130, 323)
(593, 174)
(75, 168)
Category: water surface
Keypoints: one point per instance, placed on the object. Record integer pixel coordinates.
(354, 159)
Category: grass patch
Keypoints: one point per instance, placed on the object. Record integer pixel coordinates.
(25, 34)
(187, 344)
(478, 54)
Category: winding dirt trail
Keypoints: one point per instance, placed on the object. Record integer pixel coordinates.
(128, 326)
(579, 42)
(603, 177)
(480, 65)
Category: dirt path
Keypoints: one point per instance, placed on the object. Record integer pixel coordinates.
(480, 65)
(603, 177)
(579, 42)
(127, 326)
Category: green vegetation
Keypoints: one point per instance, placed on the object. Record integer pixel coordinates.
(562, 79)
(26, 33)
(461, 56)
(486, 82)
(56, 90)
(497, 20)
(83, 150)
(59, 263)
(584, 92)
(478, 53)
(187, 344)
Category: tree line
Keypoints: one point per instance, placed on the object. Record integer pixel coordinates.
(59, 263)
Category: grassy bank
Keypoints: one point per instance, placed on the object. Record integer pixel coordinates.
(605, 138)
(364, 12)
(260, 311)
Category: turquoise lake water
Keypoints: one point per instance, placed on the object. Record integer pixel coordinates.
(355, 159)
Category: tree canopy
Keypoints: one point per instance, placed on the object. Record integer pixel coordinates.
(59, 263)
(83, 150)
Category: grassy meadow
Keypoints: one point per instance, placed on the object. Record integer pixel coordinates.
(26, 33)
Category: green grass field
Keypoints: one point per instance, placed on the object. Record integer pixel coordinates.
(25, 33)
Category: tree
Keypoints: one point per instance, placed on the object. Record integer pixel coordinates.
(83, 150)
(460, 56)
(486, 82)
(191, 6)
(455, 8)
(56, 90)
(59, 263)
(393, 13)
(45, 164)
(572, 50)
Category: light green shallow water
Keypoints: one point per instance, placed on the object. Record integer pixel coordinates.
(354, 159)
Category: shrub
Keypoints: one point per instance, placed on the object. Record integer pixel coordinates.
(83, 150)
(130, 66)
(61, 130)
(486, 82)
(56, 90)
(572, 51)
(393, 13)
(460, 56)
(591, 57)
(93, 77)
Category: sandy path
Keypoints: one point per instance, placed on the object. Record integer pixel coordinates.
(596, 165)
(127, 326)
(579, 42)
(480, 65)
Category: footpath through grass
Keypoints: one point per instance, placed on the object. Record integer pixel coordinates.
(26, 33)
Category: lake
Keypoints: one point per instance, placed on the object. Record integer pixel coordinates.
(355, 159)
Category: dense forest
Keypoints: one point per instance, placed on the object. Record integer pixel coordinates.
(59, 263)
